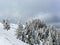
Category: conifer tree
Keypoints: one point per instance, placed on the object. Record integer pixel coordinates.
(19, 31)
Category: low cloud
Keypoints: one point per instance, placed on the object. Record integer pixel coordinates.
(27, 9)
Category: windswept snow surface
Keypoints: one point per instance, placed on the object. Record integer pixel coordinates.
(9, 37)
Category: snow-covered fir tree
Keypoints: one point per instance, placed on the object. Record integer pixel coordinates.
(35, 32)
(53, 35)
(20, 31)
(6, 24)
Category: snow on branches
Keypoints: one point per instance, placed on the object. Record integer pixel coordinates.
(35, 32)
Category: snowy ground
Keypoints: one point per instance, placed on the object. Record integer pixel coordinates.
(8, 37)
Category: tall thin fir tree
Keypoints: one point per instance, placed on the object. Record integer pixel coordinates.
(6, 24)
(19, 31)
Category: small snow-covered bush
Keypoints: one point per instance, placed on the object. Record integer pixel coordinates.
(6, 24)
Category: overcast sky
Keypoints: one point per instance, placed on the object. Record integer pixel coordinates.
(48, 10)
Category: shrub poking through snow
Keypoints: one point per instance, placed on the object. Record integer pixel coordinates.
(6, 24)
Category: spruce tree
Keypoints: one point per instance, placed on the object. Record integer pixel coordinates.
(19, 31)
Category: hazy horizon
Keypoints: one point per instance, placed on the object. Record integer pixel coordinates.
(47, 10)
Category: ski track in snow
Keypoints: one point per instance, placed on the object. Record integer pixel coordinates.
(9, 37)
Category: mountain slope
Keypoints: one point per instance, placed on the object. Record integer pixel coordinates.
(9, 37)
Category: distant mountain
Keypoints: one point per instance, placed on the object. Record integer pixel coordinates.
(54, 19)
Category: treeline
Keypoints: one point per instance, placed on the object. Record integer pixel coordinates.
(34, 32)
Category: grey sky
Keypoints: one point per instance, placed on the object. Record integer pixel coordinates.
(44, 9)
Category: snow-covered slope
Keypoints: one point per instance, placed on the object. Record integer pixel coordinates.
(9, 37)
